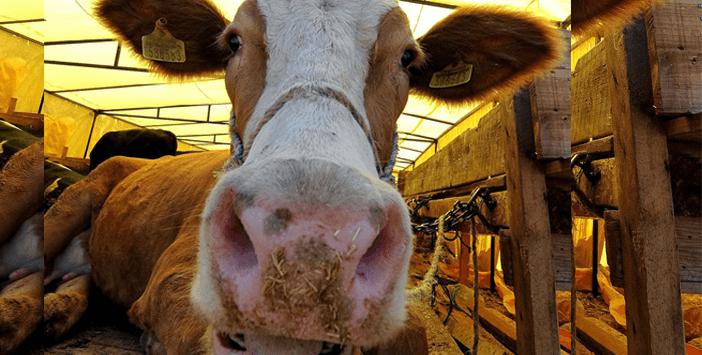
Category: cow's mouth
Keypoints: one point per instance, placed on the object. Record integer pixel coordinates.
(237, 344)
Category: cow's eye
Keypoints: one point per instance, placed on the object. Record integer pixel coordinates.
(408, 57)
(234, 43)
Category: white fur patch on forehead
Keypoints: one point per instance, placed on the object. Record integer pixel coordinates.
(325, 43)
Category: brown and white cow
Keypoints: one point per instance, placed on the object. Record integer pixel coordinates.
(302, 247)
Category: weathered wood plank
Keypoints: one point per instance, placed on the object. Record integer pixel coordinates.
(550, 110)
(674, 32)
(613, 245)
(651, 266)
(600, 337)
(498, 217)
(688, 232)
(562, 251)
(592, 105)
(688, 235)
(686, 128)
(603, 193)
(500, 326)
(474, 155)
(603, 146)
(537, 324)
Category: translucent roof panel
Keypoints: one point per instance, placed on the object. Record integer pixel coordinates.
(422, 107)
(90, 53)
(212, 146)
(192, 130)
(420, 127)
(65, 77)
(148, 122)
(204, 92)
(25, 10)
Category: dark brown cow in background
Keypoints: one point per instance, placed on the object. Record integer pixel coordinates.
(137, 143)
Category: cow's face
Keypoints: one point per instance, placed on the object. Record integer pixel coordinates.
(304, 241)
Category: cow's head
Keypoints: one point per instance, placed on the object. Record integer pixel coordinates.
(304, 240)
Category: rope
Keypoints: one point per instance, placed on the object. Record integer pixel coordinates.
(423, 291)
(476, 288)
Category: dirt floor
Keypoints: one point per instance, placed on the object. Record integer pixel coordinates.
(104, 331)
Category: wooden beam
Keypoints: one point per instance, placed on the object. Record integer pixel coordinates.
(603, 193)
(651, 267)
(497, 324)
(475, 155)
(688, 231)
(29, 121)
(602, 147)
(498, 217)
(686, 128)
(592, 105)
(675, 47)
(534, 287)
(550, 110)
(600, 337)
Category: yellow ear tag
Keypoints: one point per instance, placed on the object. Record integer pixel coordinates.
(452, 76)
(160, 45)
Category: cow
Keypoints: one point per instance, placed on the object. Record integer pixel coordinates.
(21, 262)
(295, 241)
(138, 143)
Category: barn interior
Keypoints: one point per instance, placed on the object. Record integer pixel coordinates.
(472, 195)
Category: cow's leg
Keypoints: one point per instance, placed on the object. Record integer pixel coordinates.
(164, 310)
(66, 305)
(21, 187)
(20, 310)
(73, 210)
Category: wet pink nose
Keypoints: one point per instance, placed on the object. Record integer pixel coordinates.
(309, 272)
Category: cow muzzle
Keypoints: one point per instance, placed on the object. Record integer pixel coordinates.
(312, 264)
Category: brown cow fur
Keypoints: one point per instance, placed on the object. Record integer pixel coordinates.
(21, 189)
(20, 311)
(590, 16)
(246, 86)
(64, 307)
(79, 203)
(394, 37)
(195, 22)
(166, 194)
(505, 47)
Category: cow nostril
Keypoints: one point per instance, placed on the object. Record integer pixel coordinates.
(242, 248)
(371, 262)
(235, 342)
(331, 349)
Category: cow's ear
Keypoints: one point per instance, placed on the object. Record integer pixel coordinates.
(193, 25)
(478, 51)
(592, 15)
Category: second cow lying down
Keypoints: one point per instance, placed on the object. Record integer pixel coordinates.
(295, 243)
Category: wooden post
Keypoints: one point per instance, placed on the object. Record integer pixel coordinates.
(534, 288)
(651, 270)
